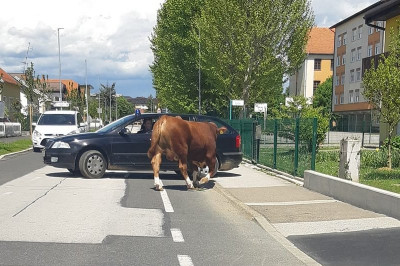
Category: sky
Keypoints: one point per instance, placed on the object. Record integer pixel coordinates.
(102, 42)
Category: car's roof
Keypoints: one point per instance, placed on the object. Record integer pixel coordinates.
(60, 112)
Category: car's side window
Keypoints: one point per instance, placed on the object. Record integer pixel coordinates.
(133, 127)
(80, 119)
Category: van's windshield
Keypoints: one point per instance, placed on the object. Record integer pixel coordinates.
(57, 120)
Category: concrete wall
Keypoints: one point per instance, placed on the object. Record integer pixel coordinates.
(366, 197)
(334, 137)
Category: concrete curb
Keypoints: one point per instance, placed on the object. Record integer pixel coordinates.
(267, 226)
(360, 195)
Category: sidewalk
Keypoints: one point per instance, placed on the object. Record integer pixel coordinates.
(287, 210)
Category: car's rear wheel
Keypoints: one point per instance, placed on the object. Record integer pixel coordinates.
(216, 167)
(92, 164)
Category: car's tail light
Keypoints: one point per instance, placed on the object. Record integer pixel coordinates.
(238, 141)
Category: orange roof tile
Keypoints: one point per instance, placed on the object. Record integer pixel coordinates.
(7, 78)
(321, 41)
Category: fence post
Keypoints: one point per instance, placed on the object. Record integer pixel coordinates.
(275, 140)
(296, 147)
(314, 143)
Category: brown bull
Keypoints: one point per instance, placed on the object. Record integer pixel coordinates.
(185, 142)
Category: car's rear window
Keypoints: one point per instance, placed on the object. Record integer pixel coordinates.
(56, 119)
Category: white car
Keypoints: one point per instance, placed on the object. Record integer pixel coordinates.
(53, 124)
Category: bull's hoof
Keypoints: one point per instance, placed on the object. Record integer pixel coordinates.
(190, 186)
(159, 188)
(204, 180)
(196, 184)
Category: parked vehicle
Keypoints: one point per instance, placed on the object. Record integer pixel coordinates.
(96, 123)
(118, 146)
(53, 124)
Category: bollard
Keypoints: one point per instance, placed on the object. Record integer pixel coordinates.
(349, 165)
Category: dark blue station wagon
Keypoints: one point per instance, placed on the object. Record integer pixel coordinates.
(118, 146)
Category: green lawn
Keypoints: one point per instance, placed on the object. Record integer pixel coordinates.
(15, 146)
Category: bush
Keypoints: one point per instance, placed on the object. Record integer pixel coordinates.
(378, 158)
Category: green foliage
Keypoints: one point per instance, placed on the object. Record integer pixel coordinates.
(323, 96)
(175, 49)
(15, 146)
(246, 48)
(301, 109)
(382, 88)
(124, 107)
(395, 143)
(382, 174)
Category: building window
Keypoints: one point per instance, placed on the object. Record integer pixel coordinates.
(335, 99)
(343, 59)
(337, 80)
(332, 64)
(358, 74)
(377, 49)
(339, 41)
(356, 96)
(351, 96)
(369, 51)
(344, 38)
(353, 55)
(338, 60)
(342, 79)
(341, 98)
(354, 34)
(315, 85)
(352, 76)
(358, 53)
(317, 64)
(370, 30)
(360, 31)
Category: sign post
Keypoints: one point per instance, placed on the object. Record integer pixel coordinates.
(234, 103)
(262, 108)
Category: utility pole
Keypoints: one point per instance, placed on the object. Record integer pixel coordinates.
(86, 96)
(59, 62)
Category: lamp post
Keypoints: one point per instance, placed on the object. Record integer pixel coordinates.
(59, 62)
(86, 97)
(199, 77)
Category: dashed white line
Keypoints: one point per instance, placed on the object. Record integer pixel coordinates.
(177, 235)
(287, 203)
(167, 203)
(185, 260)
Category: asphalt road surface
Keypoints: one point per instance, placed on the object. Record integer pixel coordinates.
(50, 217)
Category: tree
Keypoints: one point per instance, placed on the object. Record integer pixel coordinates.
(107, 95)
(382, 88)
(251, 45)
(323, 96)
(175, 66)
(35, 89)
(124, 107)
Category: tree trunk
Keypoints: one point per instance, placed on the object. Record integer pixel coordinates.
(390, 147)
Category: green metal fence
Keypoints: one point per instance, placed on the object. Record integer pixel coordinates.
(288, 145)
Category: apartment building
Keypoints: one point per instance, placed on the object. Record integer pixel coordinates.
(354, 40)
(318, 65)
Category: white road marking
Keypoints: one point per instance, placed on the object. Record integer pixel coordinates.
(71, 210)
(288, 203)
(167, 203)
(177, 235)
(335, 226)
(8, 193)
(185, 260)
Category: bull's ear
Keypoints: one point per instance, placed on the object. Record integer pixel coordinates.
(222, 130)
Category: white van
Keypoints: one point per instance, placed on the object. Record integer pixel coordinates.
(53, 124)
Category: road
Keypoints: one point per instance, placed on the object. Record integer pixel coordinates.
(49, 217)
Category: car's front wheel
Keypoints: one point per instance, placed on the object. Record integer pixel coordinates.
(92, 164)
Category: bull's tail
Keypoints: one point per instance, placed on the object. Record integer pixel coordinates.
(155, 137)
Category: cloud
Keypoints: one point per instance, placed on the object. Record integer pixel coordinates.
(328, 13)
(112, 37)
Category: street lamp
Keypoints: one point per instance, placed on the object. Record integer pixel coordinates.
(59, 62)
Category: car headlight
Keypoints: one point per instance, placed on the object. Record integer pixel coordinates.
(60, 145)
(36, 134)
